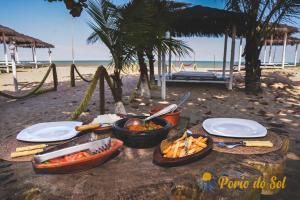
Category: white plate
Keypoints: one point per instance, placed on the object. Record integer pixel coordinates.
(49, 131)
(234, 127)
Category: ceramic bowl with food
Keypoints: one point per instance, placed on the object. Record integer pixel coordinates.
(172, 117)
(138, 137)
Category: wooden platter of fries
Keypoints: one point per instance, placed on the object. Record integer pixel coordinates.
(184, 150)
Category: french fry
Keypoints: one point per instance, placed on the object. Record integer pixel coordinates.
(181, 138)
(169, 154)
(191, 151)
(182, 153)
(201, 144)
(175, 150)
(167, 150)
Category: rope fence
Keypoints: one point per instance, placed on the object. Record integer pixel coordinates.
(72, 75)
(101, 75)
(37, 90)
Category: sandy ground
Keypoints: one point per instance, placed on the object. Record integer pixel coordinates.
(277, 108)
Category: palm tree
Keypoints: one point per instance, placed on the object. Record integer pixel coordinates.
(261, 18)
(105, 25)
(145, 23)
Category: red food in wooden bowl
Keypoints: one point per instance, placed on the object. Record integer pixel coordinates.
(172, 118)
(78, 161)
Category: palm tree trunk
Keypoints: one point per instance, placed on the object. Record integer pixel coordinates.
(117, 87)
(253, 70)
(144, 88)
(117, 84)
(150, 57)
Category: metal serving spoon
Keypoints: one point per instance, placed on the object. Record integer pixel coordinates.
(168, 109)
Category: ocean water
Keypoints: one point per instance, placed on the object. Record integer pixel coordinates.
(94, 63)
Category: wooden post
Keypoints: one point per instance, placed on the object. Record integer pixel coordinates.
(170, 58)
(13, 63)
(17, 55)
(101, 92)
(163, 78)
(284, 50)
(5, 52)
(225, 54)
(274, 53)
(232, 57)
(72, 75)
(265, 52)
(49, 53)
(170, 62)
(270, 51)
(296, 55)
(54, 74)
(34, 55)
(32, 51)
(159, 67)
(240, 53)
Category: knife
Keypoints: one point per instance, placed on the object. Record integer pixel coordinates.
(94, 147)
(250, 143)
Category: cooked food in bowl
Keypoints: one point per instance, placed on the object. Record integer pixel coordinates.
(67, 158)
(142, 137)
(149, 126)
(172, 117)
(184, 146)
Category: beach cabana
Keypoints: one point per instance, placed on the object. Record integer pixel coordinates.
(24, 41)
(4, 32)
(292, 41)
(202, 21)
(15, 40)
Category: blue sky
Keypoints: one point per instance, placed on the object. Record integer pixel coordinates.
(52, 23)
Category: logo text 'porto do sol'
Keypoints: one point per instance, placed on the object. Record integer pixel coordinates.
(207, 180)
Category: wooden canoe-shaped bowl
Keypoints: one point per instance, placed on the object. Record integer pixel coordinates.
(160, 160)
(81, 164)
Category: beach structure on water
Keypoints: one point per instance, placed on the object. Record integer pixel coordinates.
(199, 21)
(12, 41)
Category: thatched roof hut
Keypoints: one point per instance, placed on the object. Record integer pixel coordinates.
(25, 41)
(206, 21)
(7, 31)
(212, 22)
(279, 42)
